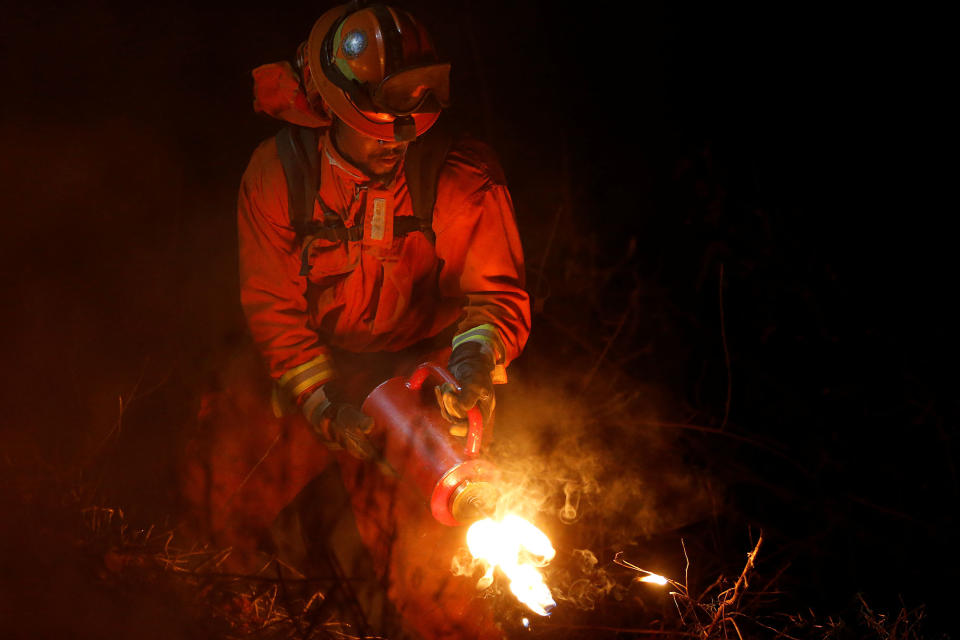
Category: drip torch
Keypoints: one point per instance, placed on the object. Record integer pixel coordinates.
(456, 481)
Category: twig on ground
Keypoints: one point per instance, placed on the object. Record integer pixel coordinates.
(252, 469)
(736, 591)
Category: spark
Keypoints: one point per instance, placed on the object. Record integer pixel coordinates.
(654, 579)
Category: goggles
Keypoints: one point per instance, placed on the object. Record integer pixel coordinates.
(423, 89)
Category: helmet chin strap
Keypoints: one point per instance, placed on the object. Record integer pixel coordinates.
(404, 129)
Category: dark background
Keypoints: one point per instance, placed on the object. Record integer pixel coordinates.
(799, 148)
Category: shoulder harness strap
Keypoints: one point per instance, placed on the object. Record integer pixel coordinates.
(297, 147)
(422, 165)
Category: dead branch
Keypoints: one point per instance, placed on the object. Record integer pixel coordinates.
(735, 592)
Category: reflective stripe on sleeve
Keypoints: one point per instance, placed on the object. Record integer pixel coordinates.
(485, 334)
(306, 376)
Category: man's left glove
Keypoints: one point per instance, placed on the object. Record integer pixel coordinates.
(471, 363)
(340, 425)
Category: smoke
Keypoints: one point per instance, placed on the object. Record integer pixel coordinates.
(597, 464)
(464, 564)
(595, 476)
(583, 583)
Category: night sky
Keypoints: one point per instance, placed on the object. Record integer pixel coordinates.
(800, 148)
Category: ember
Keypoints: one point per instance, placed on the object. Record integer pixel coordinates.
(517, 547)
(650, 577)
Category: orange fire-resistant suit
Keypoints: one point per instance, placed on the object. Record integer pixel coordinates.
(360, 297)
(365, 296)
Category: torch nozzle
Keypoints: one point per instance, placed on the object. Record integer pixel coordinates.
(481, 507)
(474, 500)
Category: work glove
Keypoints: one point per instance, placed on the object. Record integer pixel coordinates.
(471, 363)
(340, 425)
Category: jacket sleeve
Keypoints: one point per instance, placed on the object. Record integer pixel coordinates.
(478, 242)
(271, 291)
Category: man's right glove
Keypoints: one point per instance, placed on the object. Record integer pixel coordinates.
(471, 363)
(339, 425)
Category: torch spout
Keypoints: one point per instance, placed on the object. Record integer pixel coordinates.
(474, 500)
(481, 507)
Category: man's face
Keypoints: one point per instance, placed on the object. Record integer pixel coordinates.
(375, 158)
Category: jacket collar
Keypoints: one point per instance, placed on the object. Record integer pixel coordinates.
(346, 170)
(341, 166)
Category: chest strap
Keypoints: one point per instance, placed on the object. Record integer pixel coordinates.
(297, 148)
(336, 231)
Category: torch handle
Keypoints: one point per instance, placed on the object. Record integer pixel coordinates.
(474, 417)
(425, 370)
(474, 434)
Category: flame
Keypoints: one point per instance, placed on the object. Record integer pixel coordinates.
(517, 548)
(653, 579)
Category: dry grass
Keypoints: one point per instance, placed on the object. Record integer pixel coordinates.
(274, 602)
(81, 569)
(722, 611)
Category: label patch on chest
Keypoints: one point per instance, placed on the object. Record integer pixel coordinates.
(379, 219)
(378, 224)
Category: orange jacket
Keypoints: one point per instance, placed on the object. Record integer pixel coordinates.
(365, 296)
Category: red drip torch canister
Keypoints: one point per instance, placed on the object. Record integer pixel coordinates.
(456, 482)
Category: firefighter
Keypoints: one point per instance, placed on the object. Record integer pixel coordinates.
(375, 281)
(348, 274)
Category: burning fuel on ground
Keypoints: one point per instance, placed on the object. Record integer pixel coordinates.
(517, 548)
